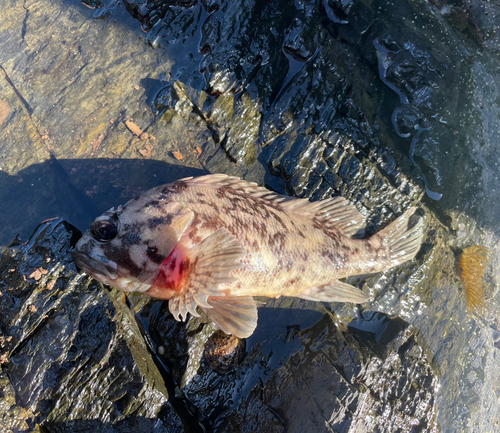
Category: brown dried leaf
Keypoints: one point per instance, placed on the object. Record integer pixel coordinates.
(134, 129)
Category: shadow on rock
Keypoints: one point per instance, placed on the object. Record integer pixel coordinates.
(306, 372)
(76, 190)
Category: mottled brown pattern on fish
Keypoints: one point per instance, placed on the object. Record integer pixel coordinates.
(131, 236)
(122, 257)
(154, 256)
(286, 252)
(279, 255)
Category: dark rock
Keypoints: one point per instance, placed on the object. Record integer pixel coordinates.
(150, 12)
(72, 352)
(377, 375)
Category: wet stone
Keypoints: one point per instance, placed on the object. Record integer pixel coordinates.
(148, 12)
(378, 104)
(372, 375)
(73, 357)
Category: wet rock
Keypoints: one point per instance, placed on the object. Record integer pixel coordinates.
(377, 374)
(150, 12)
(475, 21)
(386, 105)
(223, 130)
(12, 416)
(73, 357)
(343, 384)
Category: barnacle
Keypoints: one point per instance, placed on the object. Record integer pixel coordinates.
(470, 268)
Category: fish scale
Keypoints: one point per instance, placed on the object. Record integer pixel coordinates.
(213, 242)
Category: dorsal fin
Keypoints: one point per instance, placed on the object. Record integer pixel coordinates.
(249, 188)
(336, 211)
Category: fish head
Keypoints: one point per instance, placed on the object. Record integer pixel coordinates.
(125, 247)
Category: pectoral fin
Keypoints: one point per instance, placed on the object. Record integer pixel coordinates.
(202, 270)
(235, 315)
(334, 292)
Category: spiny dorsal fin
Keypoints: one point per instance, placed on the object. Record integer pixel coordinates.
(211, 263)
(335, 211)
(249, 188)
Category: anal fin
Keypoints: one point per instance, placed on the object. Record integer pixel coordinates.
(334, 292)
(235, 315)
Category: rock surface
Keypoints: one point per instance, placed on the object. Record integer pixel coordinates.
(73, 358)
(386, 105)
(377, 374)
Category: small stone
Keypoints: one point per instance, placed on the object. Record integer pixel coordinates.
(223, 352)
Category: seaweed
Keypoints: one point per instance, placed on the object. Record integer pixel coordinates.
(471, 267)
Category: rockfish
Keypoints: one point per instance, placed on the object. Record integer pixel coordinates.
(215, 241)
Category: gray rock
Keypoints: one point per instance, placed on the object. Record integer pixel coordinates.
(306, 371)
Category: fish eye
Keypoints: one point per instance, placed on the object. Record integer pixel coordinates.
(104, 229)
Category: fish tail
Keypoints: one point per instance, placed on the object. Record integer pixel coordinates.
(401, 243)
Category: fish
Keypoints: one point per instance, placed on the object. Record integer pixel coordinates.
(214, 242)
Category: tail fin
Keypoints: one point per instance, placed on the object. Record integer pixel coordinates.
(402, 243)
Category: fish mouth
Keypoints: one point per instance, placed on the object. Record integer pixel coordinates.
(96, 267)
